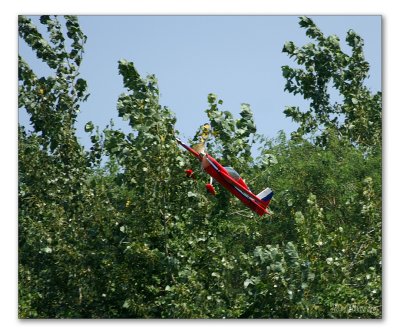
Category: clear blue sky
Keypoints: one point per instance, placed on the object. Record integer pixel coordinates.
(239, 58)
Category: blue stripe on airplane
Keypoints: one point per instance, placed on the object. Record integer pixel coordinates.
(268, 197)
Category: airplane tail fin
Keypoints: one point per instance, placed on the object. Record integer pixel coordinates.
(265, 197)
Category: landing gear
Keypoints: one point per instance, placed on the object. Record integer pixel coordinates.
(210, 188)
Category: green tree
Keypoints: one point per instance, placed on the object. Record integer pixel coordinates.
(327, 71)
(119, 231)
(320, 206)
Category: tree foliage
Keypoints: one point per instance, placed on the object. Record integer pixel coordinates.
(119, 231)
(325, 73)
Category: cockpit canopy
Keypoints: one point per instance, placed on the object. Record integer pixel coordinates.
(234, 174)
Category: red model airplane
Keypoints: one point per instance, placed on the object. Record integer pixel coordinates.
(231, 181)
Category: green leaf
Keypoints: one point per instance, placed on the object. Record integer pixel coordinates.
(47, 250)
(289, 47)
(89, 126)
(212, 98)
(305, 22)
(286, 71)
(247, 282)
